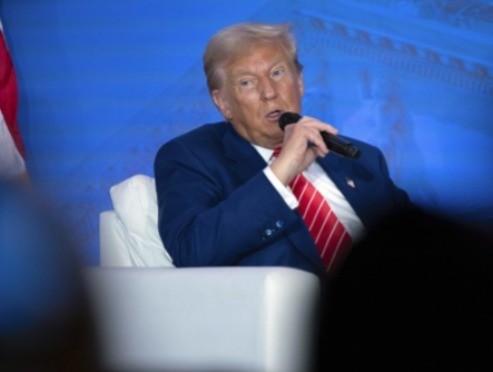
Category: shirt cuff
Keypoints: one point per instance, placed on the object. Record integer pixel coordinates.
(285, 192)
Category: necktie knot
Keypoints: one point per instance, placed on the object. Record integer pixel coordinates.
(277, 151)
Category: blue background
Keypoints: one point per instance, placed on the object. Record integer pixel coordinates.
(104, 83)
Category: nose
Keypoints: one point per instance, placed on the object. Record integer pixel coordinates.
(268, 89)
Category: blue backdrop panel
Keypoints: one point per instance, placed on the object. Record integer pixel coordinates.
(104, 84)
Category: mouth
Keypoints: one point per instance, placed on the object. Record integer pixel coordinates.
(274, 115)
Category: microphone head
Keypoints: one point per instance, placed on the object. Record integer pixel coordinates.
(288, 118)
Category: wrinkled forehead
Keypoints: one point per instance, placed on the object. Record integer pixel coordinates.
(244, 58)
(261, 57)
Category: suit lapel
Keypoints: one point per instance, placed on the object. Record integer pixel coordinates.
(247, 161)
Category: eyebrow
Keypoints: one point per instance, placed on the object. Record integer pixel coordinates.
(241, 72)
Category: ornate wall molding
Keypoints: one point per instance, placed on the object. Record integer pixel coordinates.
(325, 34)
(468, 14)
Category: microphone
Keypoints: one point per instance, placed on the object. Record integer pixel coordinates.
(333, 143)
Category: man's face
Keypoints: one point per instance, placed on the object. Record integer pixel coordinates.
(257, 88)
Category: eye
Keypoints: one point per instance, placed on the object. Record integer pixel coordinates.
(246, 83)
(277, 72)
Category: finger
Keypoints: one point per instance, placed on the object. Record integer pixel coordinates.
(317, 142)
(320, 152)
(309, 159)
(321, 126)
(302, 138)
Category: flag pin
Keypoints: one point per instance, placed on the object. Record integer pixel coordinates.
(350, 183)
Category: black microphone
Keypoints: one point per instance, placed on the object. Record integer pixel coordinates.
(334, 143)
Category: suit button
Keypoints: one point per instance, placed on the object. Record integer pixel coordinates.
(279, 224)
(268, 232)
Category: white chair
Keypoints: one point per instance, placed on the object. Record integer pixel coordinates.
(194, 319)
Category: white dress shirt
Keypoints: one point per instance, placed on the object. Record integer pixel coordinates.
(322, 182)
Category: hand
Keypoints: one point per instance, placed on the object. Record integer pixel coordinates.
(301, 146)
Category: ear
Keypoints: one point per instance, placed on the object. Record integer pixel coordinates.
(221, 103)
(301, 85)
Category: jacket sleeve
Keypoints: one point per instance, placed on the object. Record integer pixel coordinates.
(204, 222)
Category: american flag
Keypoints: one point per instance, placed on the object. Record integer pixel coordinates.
(12, 152)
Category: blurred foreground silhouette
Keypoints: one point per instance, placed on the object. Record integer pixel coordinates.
(45, 317)
(415, 295)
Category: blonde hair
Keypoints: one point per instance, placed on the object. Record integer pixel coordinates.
(233, 41)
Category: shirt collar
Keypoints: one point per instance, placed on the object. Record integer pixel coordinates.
(264, 152)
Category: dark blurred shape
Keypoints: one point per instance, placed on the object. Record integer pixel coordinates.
(415, 295)
(45, 318)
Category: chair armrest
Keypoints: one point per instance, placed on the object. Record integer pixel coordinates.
(225, 319)
(121, 246)
(112, 238)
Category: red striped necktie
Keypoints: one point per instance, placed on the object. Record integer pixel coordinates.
(330, 237)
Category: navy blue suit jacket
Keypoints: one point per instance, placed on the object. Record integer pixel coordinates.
(216, 206)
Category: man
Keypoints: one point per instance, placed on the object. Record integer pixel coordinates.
(224, 199)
